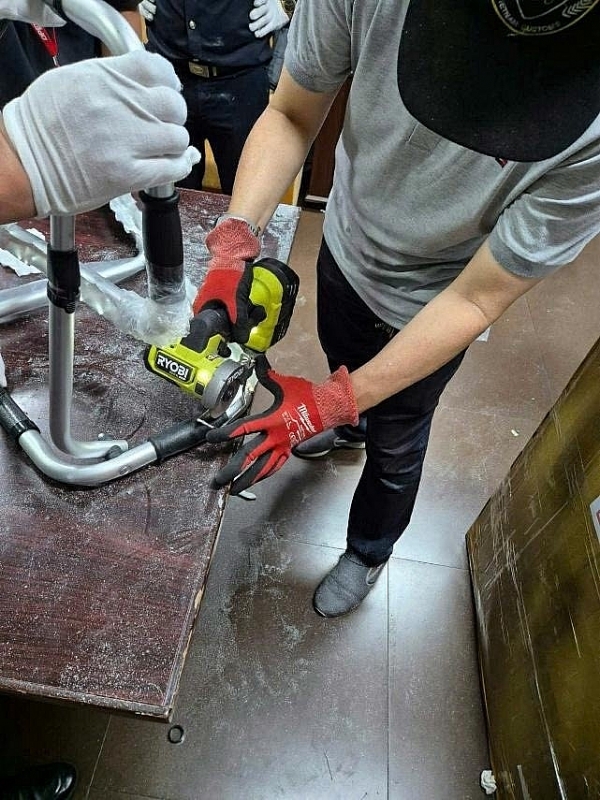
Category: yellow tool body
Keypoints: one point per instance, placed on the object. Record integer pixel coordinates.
(206, 363)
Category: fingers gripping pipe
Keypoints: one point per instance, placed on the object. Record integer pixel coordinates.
(160, 218)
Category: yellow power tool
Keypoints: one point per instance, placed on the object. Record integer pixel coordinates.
(218, 372)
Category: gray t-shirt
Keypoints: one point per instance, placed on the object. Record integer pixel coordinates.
(409, 208)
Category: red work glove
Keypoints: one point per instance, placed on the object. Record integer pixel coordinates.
(300, 410)
(232, 247)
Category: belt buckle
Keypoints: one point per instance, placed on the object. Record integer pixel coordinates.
(201, 70)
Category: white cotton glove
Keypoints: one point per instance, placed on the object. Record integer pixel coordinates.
(30, 11)
(267, 16)
(95, 130)
(147, 9)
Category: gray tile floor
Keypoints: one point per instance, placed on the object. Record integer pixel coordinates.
(276, 702)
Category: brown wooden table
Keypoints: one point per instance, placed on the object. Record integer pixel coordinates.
(99, 588)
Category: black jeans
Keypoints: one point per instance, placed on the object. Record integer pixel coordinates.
(397, 429)
(222, 111)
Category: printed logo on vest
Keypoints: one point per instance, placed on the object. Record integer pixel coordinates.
(541, 17)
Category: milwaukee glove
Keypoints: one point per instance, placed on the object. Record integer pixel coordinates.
(30, 11)
(147, 9)
(300, 410)
(232, 246)
(92, 131)
(267, 16)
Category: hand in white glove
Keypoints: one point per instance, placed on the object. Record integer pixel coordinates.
(267, 16)
(92, 131)
(30, 11)
(147, 9)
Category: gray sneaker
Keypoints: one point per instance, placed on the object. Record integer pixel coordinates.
(343, 438)
(345, 587)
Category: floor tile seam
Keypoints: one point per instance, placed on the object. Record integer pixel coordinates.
(392, 557)
(97, 762)
(428, 563)
(139, 796)
(314, 544)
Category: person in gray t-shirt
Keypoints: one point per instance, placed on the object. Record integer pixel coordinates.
(468, 168)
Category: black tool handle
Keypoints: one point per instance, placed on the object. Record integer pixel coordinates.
(163, 246)
(178, 439)
(12, 417)
(209, 322)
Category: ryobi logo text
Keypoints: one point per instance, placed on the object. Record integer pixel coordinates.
(171, 366)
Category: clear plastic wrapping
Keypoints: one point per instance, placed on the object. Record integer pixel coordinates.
(161, 322)
(150, 321)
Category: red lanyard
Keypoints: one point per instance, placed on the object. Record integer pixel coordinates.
(48, 39)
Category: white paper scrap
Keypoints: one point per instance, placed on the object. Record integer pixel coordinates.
(2, 373)
(8, 260)
(35, 232)
(488, 781)
(595, 510)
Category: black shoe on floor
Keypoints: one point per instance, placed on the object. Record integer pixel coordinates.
(345, 587)
(342, 438)
(46, 782)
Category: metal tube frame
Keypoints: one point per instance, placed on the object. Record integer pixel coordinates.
(65, 458)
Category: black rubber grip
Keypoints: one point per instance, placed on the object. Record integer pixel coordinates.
(63, 278)
(12, 418)
(163, 245)
(209, 322)
(178, 439)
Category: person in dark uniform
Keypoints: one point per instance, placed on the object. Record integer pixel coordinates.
(221, 52)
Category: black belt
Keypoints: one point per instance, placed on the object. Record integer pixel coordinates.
(204, 70)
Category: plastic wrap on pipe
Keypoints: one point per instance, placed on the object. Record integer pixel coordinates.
(21, 250)
(127, 212)
(144, 319)
(19, 300)
(140, 317)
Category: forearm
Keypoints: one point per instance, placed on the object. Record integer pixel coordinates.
(135, 20)
(441, 330)
(276, 149)
(261, 181)
(16, 198)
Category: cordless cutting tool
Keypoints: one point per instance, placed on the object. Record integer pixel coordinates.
(217, 371)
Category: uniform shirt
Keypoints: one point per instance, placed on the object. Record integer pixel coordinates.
(211, 32)
(23, 56)
(409, 208)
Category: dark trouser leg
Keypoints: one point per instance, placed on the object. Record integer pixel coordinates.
(397, 437)
(195, 98)
(240, 101)
(397, 429)
(349, 333)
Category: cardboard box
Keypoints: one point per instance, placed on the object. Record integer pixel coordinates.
(534, 556)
